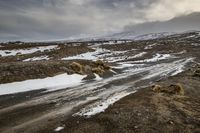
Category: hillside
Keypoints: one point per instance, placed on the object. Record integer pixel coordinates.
(101, 85)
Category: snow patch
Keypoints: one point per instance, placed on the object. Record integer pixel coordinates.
(113, 71)
(182, 52)
(139, 55)
(26, 51)
(104, 54)
(151, 46)
(127, 65)
(101, 106)
(50, 83)
(97, 77)
(167, 69)
(122, 58)
(88, 55)
(195, 44)
(157, 57)
(59, 129)
(37, 58)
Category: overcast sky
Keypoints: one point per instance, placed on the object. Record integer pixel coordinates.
(57, 19)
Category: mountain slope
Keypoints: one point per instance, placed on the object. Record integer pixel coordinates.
(178, 24)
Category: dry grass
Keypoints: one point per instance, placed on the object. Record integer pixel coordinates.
(77, 68)
(172, 89)
(176, 89)
(156, 88)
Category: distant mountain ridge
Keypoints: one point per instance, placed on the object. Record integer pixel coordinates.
(178, 24)
(132, 36)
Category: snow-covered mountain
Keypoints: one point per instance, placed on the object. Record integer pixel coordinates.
(121, 35)
(124, 36)
(132, 36)
(153, 36)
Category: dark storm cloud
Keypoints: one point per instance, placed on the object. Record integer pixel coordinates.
(54, 19)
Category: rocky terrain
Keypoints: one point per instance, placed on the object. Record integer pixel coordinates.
(101, 85)
(148, 111)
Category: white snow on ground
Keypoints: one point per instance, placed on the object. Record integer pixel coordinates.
(89, 55)
(151, 46)
(122, 58)
(59, 129)
(157, 57)
(192, 36)
(97, 44)
(97, 54)
(26, 51)
(113, 71)
(182, 52)
(195, 44)
(97, 77)
(50, 83)
(165, 68)
(127, 64)
(37, 58)
(139, 55)
(101, 106)
(86, 56)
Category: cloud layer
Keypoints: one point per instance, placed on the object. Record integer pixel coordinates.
(56, 19)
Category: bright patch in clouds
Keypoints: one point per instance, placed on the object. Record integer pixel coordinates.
(167, 9)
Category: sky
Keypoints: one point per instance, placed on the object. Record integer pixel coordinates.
(60, 19)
